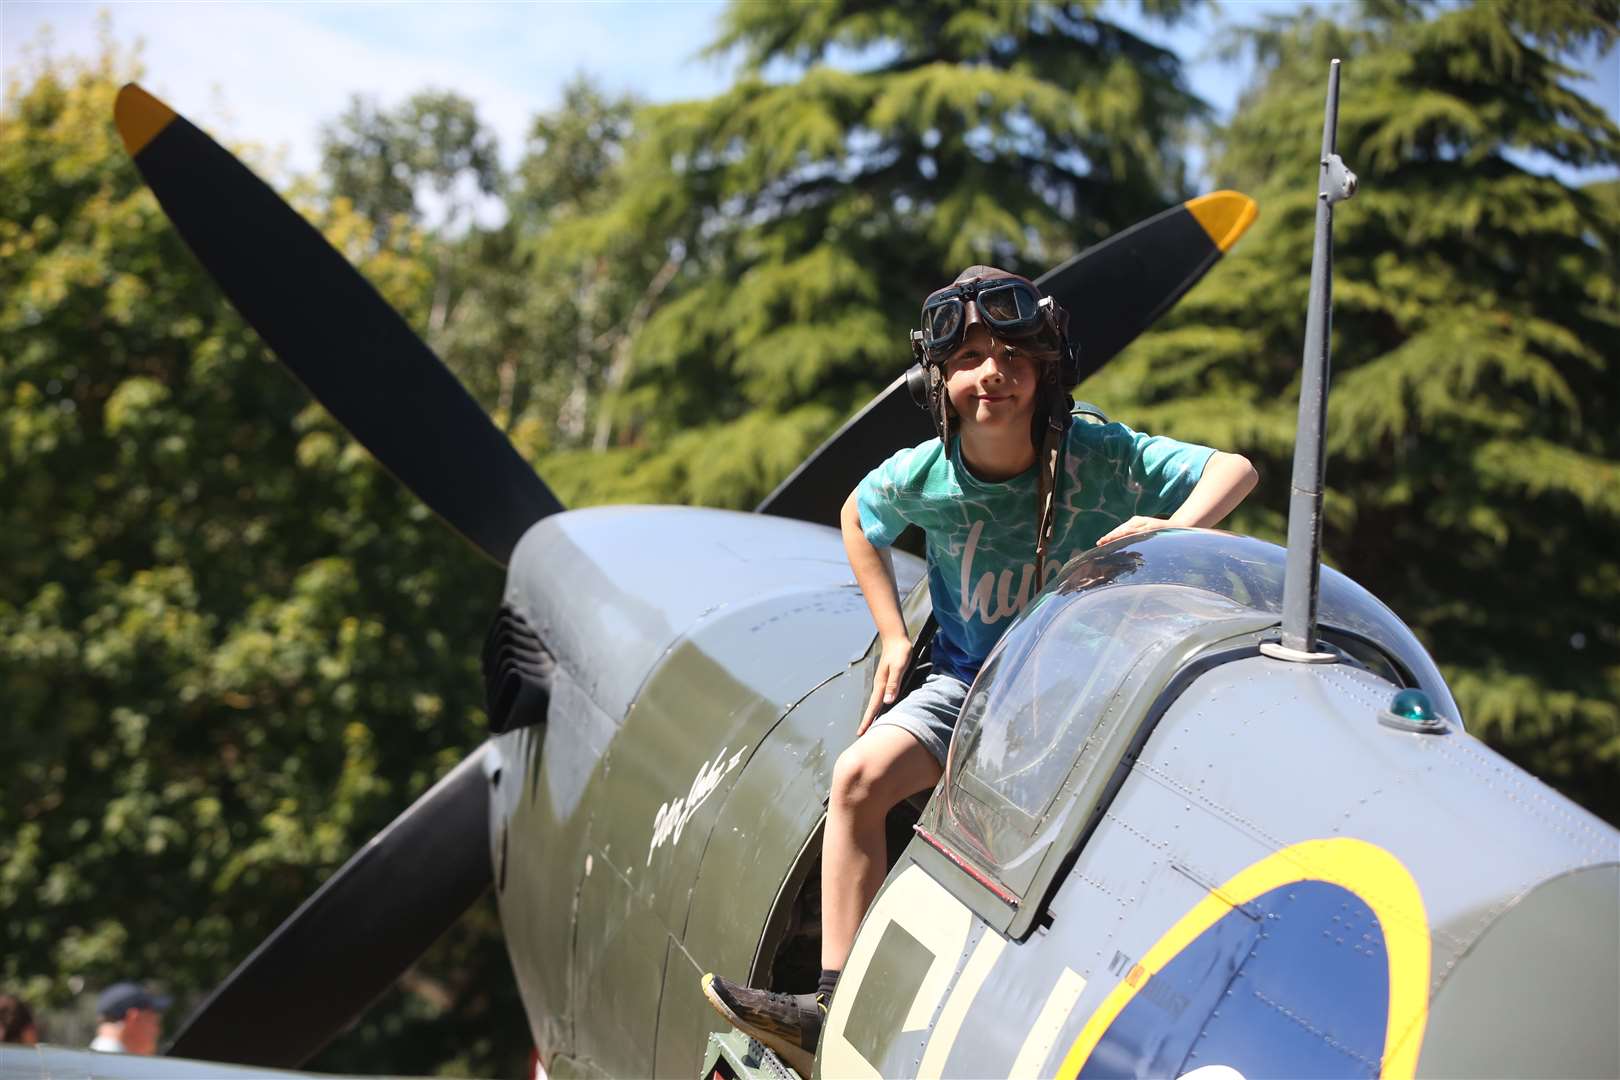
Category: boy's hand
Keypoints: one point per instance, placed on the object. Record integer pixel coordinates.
(1133, 526)
(886, 686)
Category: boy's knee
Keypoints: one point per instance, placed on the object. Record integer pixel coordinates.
(857, 780)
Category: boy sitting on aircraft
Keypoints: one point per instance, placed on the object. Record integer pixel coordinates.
(1010, 489)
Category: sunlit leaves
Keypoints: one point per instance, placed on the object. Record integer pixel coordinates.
(230, 649)
(812, 205)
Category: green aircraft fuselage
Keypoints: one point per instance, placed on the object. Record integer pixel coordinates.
(1159, 849)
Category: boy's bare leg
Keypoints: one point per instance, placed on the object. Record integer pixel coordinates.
(882, 767)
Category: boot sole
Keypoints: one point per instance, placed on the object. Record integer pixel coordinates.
(797, 1058)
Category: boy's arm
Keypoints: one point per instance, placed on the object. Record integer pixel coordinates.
(1226, 480)
(874, 572)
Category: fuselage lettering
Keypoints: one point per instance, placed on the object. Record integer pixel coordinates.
(672, 816)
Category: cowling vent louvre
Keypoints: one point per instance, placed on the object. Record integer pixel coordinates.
(517, 673)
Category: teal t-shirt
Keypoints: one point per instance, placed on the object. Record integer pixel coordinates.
(981, 536)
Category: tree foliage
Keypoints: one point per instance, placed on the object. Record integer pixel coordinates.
(231, 649)
(811, 206)
(1473, 455)
(586, 292)
(384, 160)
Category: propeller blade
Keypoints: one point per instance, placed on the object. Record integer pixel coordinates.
(1113, 291)
(1117, 289)
(345, 945)
(816, 490)
(336, 334)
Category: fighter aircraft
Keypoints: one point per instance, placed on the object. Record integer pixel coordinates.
(1210, 810)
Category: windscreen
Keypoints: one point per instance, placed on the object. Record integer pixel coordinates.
(1040, 700)
(1056, 682)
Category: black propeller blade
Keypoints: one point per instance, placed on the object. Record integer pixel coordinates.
(1113, 291)
(347, 944)
(337, 335)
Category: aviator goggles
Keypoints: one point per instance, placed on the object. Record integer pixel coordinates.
(1010, 307)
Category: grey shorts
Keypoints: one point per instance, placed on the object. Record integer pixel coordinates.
(929, 713)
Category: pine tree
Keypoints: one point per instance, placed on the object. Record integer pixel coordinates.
(1474, 460)
(812, 213)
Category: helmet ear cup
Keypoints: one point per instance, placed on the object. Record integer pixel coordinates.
(1053, 404)
(926, 384)
(917, 384)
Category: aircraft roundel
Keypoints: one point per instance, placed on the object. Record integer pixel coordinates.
(1313, 961)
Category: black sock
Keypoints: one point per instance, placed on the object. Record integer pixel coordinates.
(828, 983)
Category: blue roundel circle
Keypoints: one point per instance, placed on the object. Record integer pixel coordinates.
(1294, 983)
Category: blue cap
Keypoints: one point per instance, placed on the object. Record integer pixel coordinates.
(115, 1001)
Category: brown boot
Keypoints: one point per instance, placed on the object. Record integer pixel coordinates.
(789, 1024)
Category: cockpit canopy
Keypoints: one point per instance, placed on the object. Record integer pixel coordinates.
(1107, 634)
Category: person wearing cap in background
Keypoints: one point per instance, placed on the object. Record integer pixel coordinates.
(130, 1019)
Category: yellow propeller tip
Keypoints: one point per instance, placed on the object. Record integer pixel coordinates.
(1224, 215)
(139, 117)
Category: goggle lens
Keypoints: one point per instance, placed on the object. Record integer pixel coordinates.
(1009, 306)
(942, 321)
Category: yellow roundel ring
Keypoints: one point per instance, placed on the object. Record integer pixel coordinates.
(1366, 870)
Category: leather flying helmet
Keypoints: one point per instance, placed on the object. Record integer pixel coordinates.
(1014, 310)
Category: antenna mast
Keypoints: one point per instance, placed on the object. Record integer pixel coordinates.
(1302, 575)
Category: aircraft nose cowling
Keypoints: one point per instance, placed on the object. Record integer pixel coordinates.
(597, 586)
(682, 639)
